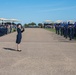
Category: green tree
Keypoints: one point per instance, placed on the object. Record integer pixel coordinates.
(26, 25)
(40, 25)
(32, 24)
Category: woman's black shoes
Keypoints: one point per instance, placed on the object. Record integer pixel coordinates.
(19, 50)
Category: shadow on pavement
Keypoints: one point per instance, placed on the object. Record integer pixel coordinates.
(10, 49)
(67, 41)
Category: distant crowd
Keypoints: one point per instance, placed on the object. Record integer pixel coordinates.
(7, 28)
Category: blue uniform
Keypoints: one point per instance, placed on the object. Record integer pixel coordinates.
(75, 29)
(57, 28)
(62, 29)
(65, 30)
(71, 31)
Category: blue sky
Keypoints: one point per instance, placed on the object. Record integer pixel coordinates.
(38, 10)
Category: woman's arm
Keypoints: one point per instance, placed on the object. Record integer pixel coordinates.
(22, 30)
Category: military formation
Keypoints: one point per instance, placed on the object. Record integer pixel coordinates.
(7, 28)
(67, 30)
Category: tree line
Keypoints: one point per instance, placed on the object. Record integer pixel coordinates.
(33, 24)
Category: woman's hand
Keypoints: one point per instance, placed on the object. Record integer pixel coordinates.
(22, 30)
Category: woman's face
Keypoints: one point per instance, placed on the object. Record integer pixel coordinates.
(19, 26)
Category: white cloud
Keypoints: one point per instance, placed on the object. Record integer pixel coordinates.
(58, 9)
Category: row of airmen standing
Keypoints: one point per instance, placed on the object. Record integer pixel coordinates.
(6, 29)
(66, 29)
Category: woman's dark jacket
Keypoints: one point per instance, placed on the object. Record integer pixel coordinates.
(19, 35)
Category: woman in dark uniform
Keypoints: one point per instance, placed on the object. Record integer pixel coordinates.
(20, 29)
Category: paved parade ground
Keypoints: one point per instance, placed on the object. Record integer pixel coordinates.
(43, 53)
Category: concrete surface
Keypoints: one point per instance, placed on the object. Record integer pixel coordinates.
(43, 53)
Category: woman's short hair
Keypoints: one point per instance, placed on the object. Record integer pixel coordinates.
(19, 24)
